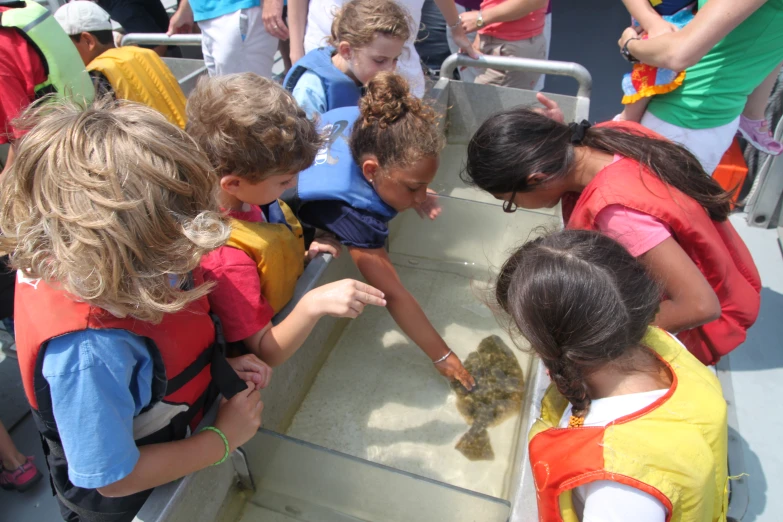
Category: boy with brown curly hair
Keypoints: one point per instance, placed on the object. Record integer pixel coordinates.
(258, 139)
(107, 213)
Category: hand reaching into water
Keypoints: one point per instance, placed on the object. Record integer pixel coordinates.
(452, 369)
(430, 208)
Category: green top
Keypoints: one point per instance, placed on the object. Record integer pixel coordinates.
(715, 89)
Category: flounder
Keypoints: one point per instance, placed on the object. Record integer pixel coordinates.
(496, 397)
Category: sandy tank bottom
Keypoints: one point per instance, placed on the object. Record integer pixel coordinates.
(378, 396)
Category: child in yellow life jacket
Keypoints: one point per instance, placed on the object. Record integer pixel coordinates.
(257, 139)
(106, 214)
(633, 426)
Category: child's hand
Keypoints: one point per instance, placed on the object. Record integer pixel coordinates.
(453, 370)
(326, 244)
(240, 417)
(430, 208)
(252, 369)
(551, 108)
(346, 298)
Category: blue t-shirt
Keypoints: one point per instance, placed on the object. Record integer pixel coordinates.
(309, 93)
(353, 227)
(208, 9)
(99, 381)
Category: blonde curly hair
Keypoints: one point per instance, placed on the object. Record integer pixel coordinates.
(250, 127)
(113, 204)
(359, 21)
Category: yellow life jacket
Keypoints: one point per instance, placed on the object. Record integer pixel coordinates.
(277, 250)
(139, 75)
(675, 449)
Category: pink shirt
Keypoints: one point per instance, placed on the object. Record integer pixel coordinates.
(636, 231)
(523, 28)
(237, 298)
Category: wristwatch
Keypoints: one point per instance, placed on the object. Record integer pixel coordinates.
(480, 20)
(626, 53)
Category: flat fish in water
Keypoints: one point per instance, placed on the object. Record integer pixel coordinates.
(496, 396)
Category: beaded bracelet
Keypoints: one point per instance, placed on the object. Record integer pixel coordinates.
(225, 441)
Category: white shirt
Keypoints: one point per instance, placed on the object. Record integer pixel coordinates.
(605, 500)
(319, 27)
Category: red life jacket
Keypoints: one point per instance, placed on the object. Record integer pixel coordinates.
(715, 247)
(183, 352)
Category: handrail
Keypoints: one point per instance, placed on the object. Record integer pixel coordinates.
(160, 39)
(574, 70)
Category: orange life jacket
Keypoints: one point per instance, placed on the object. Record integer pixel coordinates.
(715, 247)
(185, 359)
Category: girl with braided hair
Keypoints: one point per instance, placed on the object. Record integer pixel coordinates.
(633, 426)
(648, 193)
(378, 160)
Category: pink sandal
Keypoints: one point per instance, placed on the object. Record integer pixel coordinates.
(761, 140)
(22, 478)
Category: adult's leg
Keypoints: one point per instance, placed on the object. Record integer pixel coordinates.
(708, 145)
(530, 48)
(466, 74)
(238, 42)
(548, 35)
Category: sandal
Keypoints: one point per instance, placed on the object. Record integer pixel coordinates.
(760, 139)
(22, 478)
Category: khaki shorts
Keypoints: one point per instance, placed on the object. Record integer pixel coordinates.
(531, 48)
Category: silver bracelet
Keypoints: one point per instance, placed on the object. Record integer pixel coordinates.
(457, 23)
(443, 358)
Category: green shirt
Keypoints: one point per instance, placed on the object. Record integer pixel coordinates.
(715, 89)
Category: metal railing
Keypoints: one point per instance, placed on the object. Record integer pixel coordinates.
(160, 39)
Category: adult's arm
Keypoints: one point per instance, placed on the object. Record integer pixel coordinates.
(682, 49)
(297, 23)
(691, 300)
(449, 11)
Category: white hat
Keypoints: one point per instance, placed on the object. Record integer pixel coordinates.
(82, 16)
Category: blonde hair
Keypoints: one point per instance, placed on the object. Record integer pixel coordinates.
(250, 127)
(108, 203)
(359, 21)
(396, 127)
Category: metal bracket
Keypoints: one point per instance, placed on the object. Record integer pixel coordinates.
(160, 39)
(239, 460)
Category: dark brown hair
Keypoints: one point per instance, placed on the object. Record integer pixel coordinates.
(582, 301)
(250, 127)
(512, 145)
(395, 126)
(359, 21)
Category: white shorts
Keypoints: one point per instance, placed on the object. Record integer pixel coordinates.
(238, 42)
(708, 145)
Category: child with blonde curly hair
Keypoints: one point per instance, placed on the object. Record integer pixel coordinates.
(107, 213)
(258, 139)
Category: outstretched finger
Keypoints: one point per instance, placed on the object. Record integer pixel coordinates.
(547, 102)
(371, 295)
(466, 379)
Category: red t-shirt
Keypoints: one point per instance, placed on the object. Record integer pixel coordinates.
(236, 298)
(523, 28)
(21, 69)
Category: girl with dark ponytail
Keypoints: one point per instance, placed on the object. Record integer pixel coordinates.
(633, 425)
(649, 194)
(378, 160)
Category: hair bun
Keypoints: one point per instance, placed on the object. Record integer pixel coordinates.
(387, 99)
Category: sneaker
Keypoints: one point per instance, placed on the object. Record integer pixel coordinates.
(759, 139)
(22, 478)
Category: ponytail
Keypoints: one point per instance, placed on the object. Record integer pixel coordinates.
(512, 145)
(395, 126)
(582, 301)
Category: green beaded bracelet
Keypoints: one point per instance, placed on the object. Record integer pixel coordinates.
(225, 441)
